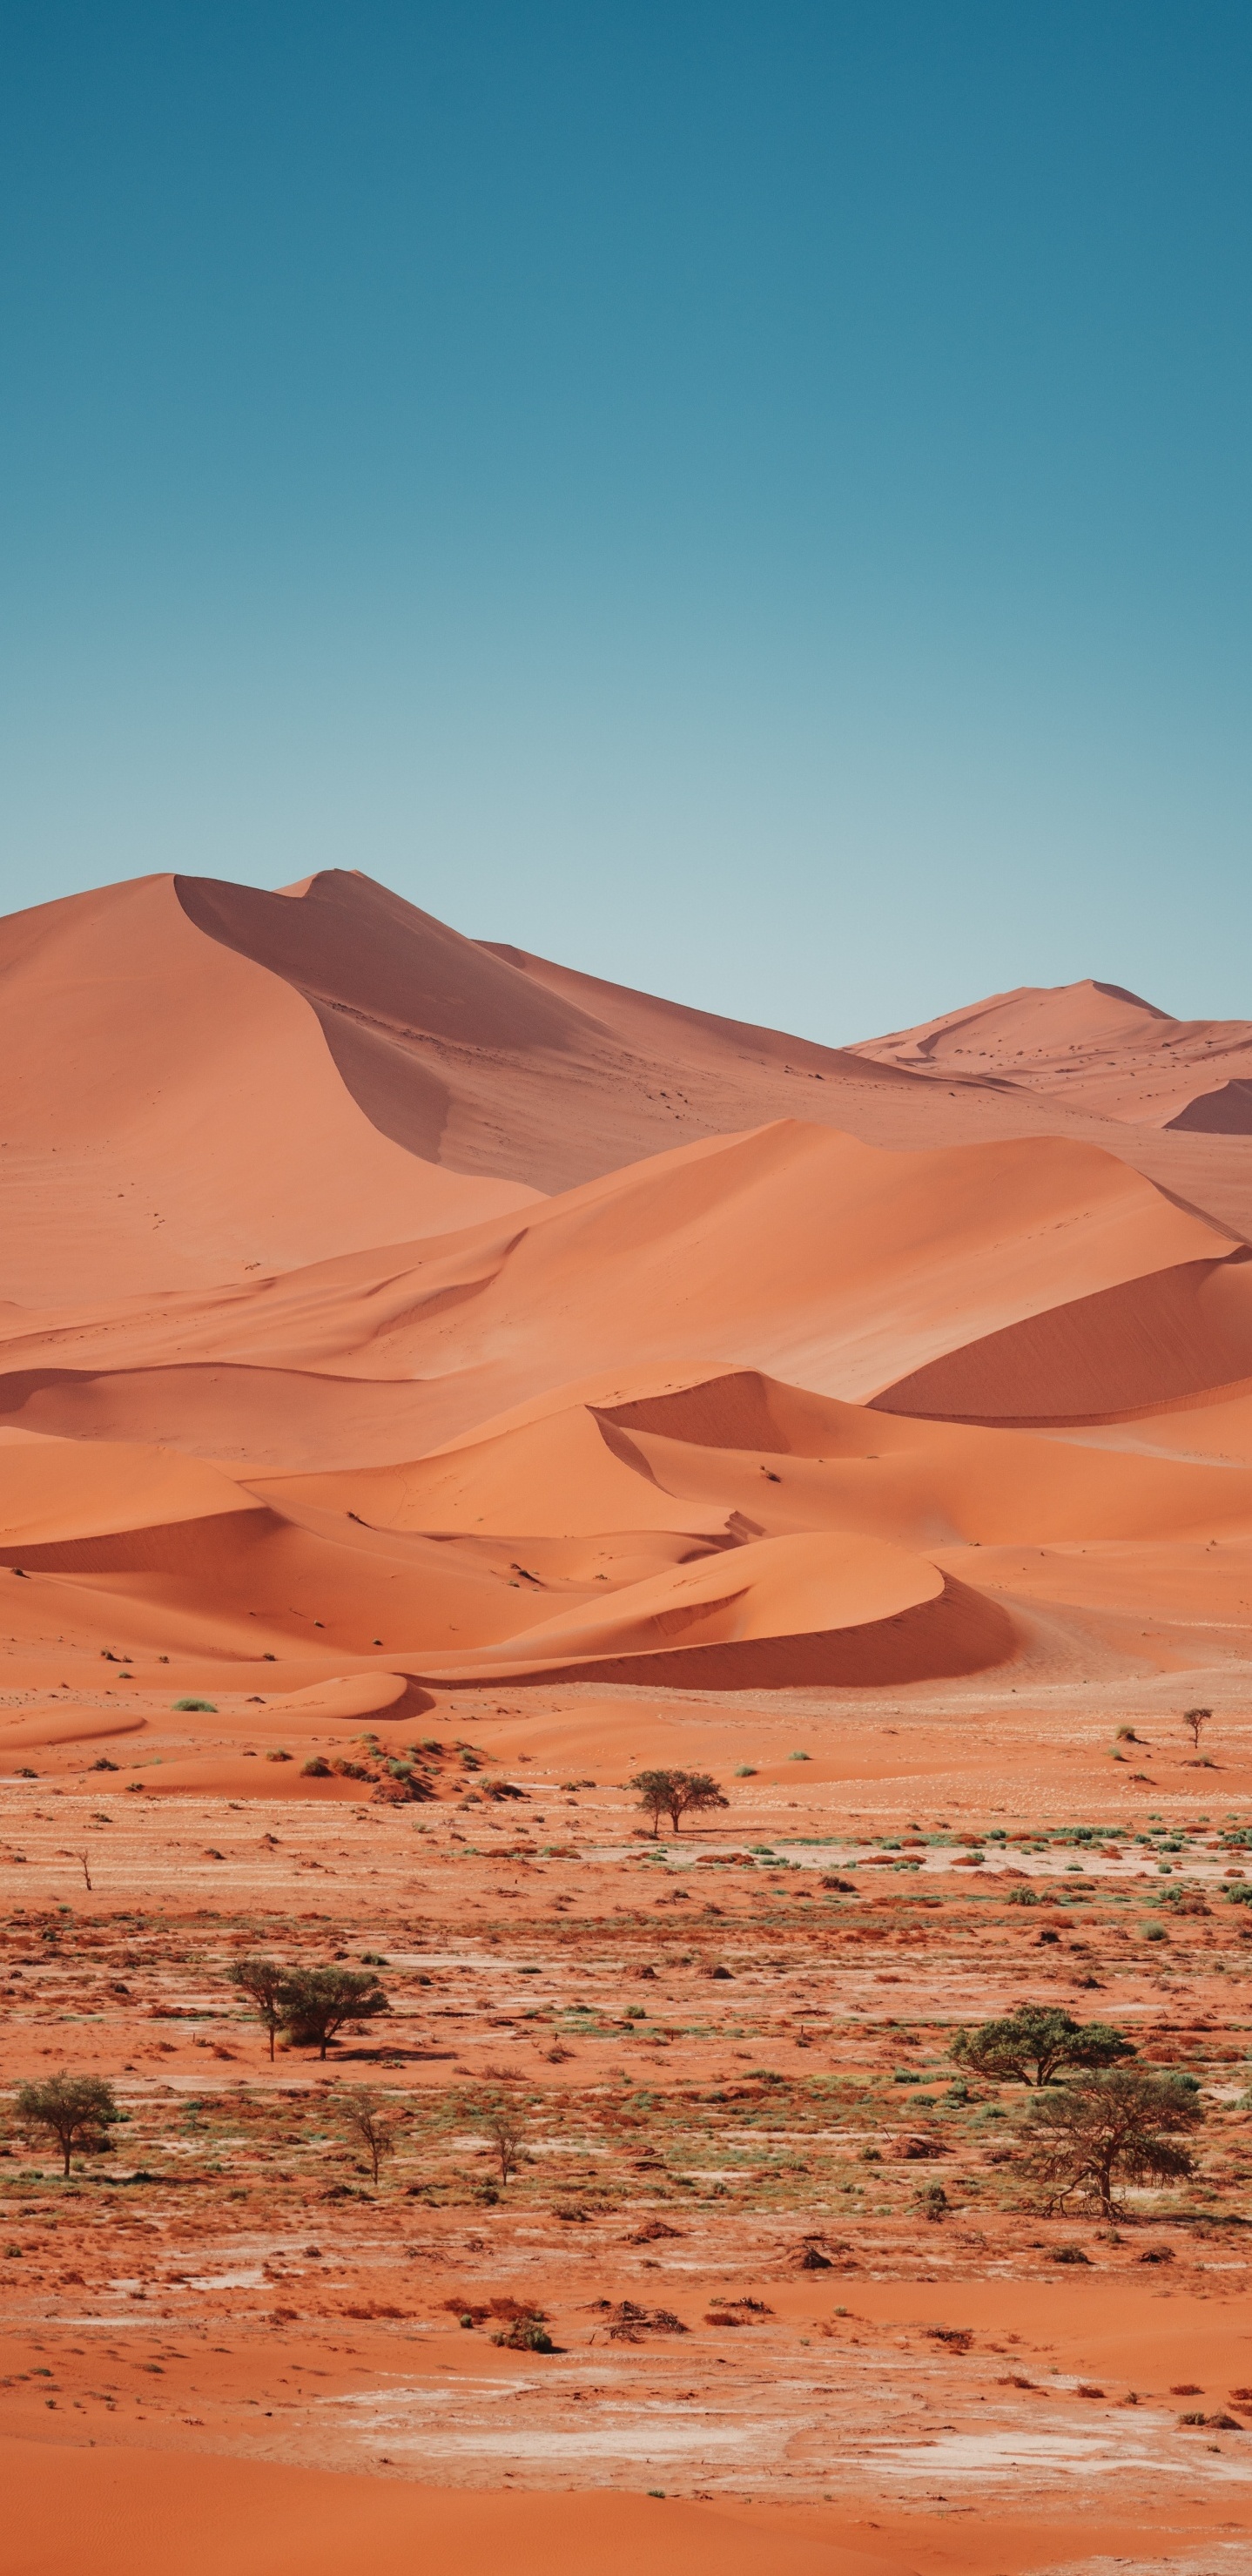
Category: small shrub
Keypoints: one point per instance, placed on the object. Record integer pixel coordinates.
(196, 1707)
(278, 1756)
(316, 1768)
(526, 2334)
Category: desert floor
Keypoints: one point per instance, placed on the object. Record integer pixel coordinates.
(733, 2086)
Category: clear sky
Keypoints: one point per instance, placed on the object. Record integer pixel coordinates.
(748, 499)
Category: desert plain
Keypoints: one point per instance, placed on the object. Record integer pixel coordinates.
(437, 1387)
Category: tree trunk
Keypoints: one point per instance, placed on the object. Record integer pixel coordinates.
(271, 2028)
(65, 2150)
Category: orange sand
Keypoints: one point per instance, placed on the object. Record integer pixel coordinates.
(404, 1337)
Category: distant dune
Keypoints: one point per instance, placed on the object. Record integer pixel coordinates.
(1092, 1046)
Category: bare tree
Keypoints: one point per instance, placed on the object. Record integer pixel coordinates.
(86, 1867)
(1084, 2136)
(261, 1980)
(75, 2109)
(374, 2120)
(1194, 1719)
(505, 2127)
(676, 1794)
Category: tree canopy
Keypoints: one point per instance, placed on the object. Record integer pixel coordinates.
(261, 1980)
(1037, 2043)
(316, 2002)
(76, 2110)
(676, 1794)
(1106, 2127)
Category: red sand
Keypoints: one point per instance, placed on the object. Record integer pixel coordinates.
(402, 1335)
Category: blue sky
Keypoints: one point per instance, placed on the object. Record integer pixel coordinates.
(749, 500)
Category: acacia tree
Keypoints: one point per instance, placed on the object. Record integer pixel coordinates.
(314, 2003)
(1036, 2043)
(1194, 1719)
(676, 1794)
(261, 1980)
(505, 2126)
(75, 2109)
(375, 2121)
(1086, 2136)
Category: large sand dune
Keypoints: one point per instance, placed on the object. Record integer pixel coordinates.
(368, 1288)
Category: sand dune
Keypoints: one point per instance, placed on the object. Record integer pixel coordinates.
(1149, 1341)
(1095, 1046)
(61, 1489)
(485, 1060)
(172, 1116)
(438, 1417)
(824, 1261)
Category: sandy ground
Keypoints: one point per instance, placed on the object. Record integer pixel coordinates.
(433, 1386)
(705, 2043)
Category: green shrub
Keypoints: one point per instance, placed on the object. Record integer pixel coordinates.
(525, 2334)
